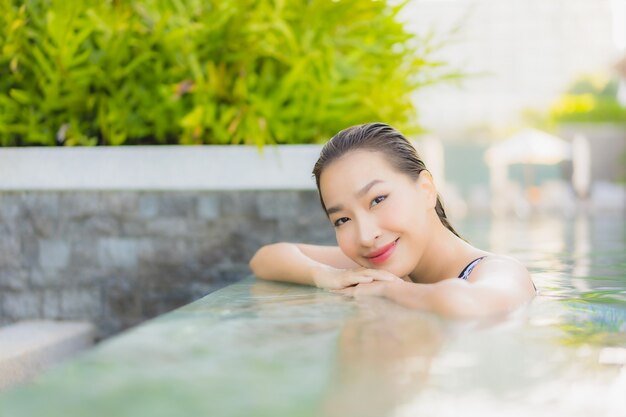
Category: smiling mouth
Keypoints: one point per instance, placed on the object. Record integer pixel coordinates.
(384, 253)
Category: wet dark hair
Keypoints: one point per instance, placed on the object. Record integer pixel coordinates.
(377, 137)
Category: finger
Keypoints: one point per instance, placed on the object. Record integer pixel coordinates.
(381, 275)
(361, 279)
(368, 290)
(345, 291)
(388, 276)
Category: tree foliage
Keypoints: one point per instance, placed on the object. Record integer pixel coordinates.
(110, 72)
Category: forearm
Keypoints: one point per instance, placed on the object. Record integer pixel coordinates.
(285, 262)
(411, 295)
(447, 298)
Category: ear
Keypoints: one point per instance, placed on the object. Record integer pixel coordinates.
(426, 185)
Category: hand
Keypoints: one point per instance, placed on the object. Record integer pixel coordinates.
(337, 279)
(376, 288)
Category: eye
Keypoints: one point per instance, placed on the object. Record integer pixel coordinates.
(341, 221)
(378, 200)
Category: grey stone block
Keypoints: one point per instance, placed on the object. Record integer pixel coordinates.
(9, 207)
(30, 251)
(197, 290)
(228, 273)
(122, 301)
(79, 205)
(40, 204)
(238, 204)
(117, 252)
(164, 252)
(167, 277)
(310, 199)
(167, 227)
(245, 242)
(39, 225)
(209, 207)
(13, 278)
(148, 205)
(53, 253)
(84, 252)
(177, 204)
(157, 302)
(215, 249)
(80, 303)
(38, 211)
(67, 277)
(134, 228)
(119, 203)
(146, 252)
(100, 225)
(10, 251)
(22, 305)
(305, 231)
(51, 304)
(278, 205)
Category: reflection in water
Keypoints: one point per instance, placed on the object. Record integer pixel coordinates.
(579, 263)
(554, 356)
(582, 248)
(594, 324)
(388, 355)
(384, 354)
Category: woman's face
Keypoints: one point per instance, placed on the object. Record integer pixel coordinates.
(381, 216)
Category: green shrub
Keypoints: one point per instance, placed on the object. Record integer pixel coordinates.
(590, 99)
(86, 72)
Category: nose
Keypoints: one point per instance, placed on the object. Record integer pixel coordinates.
(368, 231)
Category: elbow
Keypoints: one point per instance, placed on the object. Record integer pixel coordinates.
(462, 306)
(255, 263)
(454, 305)
(453, 309)
(258, 262)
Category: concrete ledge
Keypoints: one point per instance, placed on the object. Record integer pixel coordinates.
(158, 168)
(27, 348)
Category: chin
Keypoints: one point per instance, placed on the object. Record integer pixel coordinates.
(399, 272)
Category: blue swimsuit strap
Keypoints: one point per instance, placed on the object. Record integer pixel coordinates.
(468, 269)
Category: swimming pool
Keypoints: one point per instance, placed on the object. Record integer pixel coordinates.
(272, 349)
(566, 353)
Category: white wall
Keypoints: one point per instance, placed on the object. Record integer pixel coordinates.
(158, 168)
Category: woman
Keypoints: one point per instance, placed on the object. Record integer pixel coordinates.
(393, 235)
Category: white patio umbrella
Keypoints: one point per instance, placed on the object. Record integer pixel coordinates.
(530, 146)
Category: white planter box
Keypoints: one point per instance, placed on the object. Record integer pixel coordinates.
(158, 168)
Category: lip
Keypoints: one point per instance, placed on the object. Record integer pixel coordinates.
(382, 254)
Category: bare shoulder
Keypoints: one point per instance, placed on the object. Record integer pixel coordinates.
(329, 255)
(502, 272)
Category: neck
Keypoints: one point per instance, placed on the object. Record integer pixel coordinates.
(444, 256)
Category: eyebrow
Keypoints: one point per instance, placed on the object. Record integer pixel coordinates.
(358, 194)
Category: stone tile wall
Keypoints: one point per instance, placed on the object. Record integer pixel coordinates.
(118, 258)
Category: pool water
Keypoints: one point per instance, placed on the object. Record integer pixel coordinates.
(570, 344)
(259, 348)
(577, 262)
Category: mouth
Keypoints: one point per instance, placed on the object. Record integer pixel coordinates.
(382, 254)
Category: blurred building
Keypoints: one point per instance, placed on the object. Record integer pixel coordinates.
(523, 54)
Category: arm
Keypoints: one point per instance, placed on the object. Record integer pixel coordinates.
(322, 266)
(500, 285)
(455, 298)
(285, 262)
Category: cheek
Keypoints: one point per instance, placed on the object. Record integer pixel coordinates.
(345, 242)
(399, 216)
